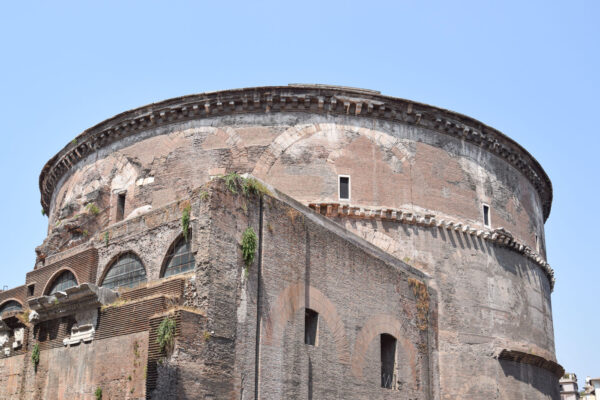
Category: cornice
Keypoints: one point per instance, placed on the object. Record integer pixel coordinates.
(499, 236)
(315, 99)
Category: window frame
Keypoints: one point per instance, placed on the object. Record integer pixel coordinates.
(340, 188)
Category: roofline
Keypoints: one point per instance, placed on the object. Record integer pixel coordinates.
(309, 98)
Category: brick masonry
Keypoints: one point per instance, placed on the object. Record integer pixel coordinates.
(471, 314)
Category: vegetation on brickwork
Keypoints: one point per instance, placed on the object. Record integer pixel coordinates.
(185, 221)
(203, 195)
(249, 244)
(23, 317)
(74, 142)
(43, 212)
(106, 238)
(35, 355)
(207, 336)
(92, 208)
(98, 393)
(165, 333)
(251, 185)
(422, 296)
(233, 182)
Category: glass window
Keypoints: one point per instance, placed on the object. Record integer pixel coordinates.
(64, 281)
(126, 271)
(180, 258)
(10, 306)
(344, 187)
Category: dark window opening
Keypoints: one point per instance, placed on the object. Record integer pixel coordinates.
(120, 206)
(10, 305)
(537, 243)
(388, 360)
(344, 188)
(486, 215)
(180, 258)
(30, 290)
(63, 282)
(311, 323)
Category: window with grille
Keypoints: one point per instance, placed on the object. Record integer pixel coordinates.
(10, 306)
(180, 258)
(126, 271)
(64, 281)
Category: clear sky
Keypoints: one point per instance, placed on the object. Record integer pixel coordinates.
(529, 69)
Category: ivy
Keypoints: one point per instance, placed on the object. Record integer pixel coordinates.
(165, 333)
(249, 242)
(35, 355)
(185, 222)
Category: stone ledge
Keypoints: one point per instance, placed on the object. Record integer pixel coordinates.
(316, 99)
(531, 359)
(498, 236)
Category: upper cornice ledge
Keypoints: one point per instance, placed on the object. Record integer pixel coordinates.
(318, 99)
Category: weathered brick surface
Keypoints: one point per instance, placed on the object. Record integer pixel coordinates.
(17, 294)
(83, 265)
(240, 333)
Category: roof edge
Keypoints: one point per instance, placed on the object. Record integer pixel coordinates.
(308, 98)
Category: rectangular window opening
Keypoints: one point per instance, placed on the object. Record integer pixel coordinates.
(486, 215)
(311, 323)
(537, 244)
(344, 187)
(388, 360)
(30, 290)
(120, 206)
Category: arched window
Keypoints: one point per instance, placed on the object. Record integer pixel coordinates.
(62, 282)
(10, 306)
(180, 258)
(126, 271)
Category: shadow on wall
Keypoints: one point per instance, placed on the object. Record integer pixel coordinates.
(526, 374)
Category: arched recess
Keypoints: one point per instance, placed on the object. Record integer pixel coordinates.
(62, 279)
(11, 305)
(179, 258)
(375, 326)
(291, 300)
(125, 270)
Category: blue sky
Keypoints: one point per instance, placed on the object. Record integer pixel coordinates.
(529, 69)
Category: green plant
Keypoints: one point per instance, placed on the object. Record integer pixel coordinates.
(231, 181)
(207, 336)
(93, 208)
(35, 355)
(249, 242)
(85, 232)
(203, 195)
(98, 393)
(185, 221)
(106, 238)
(43, 212)
(74, 142)
(165, 333)
(251, 185)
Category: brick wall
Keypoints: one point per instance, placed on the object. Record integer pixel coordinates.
(17, 294)
(83, 265)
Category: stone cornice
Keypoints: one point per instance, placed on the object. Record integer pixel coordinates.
(498, 236)
(316, 99)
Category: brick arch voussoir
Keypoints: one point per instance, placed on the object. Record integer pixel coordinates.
(375, 326)
(279, 146)
(291, 300)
